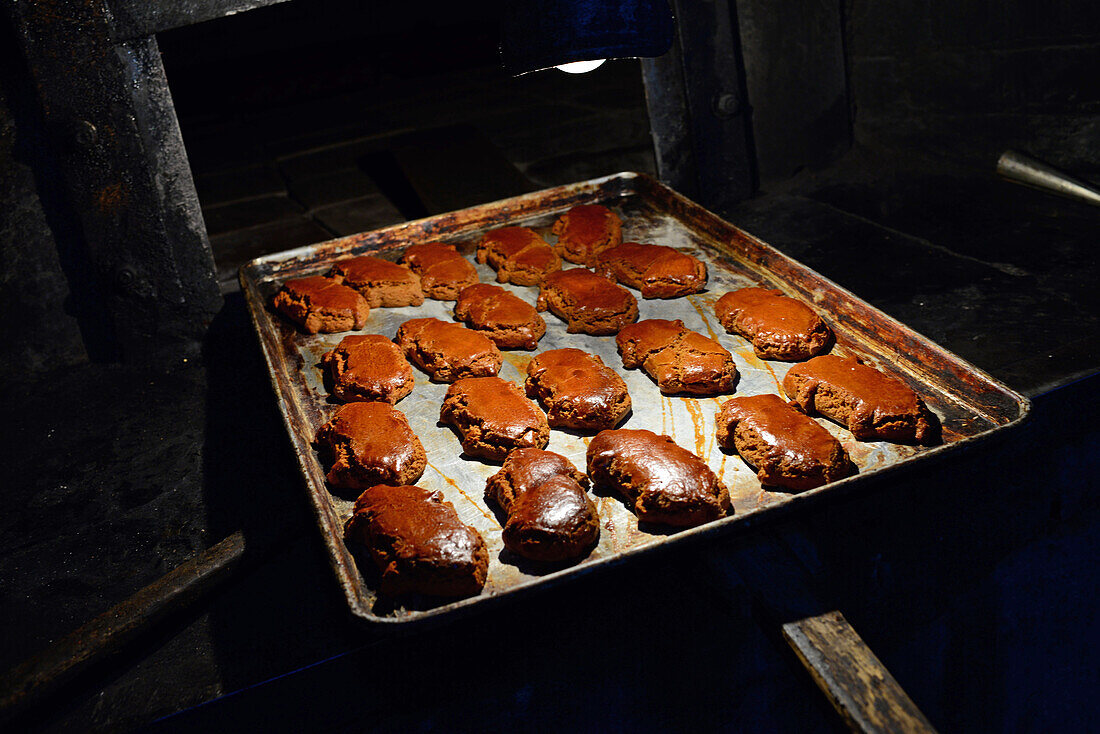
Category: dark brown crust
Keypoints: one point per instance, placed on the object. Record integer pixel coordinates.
(872, 405)
(382, 283)
(443, 271)
(655, 270)
(492, 417)
(660, 481)
(588, 303)
(418, 542)
(550, 518)
(368, 367)
(788, 448)
(577, 390)
(508, 320)
(678, 359)
(369, 444)
(319, 304)
(585, 231)
(778, 327)
(518, 254)
(448, 351)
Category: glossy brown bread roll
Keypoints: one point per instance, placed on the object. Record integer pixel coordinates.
(585, 231)
(550, 518)
(678, 359)
(577, 390)
(655, 270)
(492, 417)
(371, 443)
(508, 320)
(368, 367)
(872, 405)
(588, 303)
(418, 542)
(448, 351)
(443, 271)
(319, 304)
(660, 481)
(786, 447)
(778, 327)
(381, 282)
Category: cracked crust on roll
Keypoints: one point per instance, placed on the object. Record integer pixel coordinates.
(508, 320)
(678, 359)
(418, 542)
(368, 367)
(492, 417)
(661, 482)
(585, 231)
(321, 305)
(872, 405)
(382, 283)
(518, 254)
(577, 390)
(655, 270)
(586, 302)
(778, 327)
(443, 271)
(787, 448)
(448, 351)
(369, 444)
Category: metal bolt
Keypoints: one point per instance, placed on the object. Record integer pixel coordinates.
(85, 134)
(726, 104)
(125, 278)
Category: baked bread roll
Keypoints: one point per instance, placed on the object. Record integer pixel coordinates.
(418, 542)
(660, 481)
(872, 405)
(678, 359)
(369, 444)
(585, 231)
(655, 270)
(550, 518)
(577, 390)
(368, 367)
(786, 447)
(492, 417)
(448, 351)
(508, 320)
(319, 304)
(518, 254)
(588, 303)
(778, 327)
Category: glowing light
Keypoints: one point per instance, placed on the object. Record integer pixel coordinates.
(581, 67)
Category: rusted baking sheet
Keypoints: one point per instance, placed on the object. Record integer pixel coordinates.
(970, 404)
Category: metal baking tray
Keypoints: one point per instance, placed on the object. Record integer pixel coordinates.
(970, 404)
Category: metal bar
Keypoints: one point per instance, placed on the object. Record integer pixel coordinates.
(853, 679)
(1023, 169)
(37, 677)
(110, 114)
(698, 108)
(140, 18)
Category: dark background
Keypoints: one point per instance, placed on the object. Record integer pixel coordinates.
(974, 581)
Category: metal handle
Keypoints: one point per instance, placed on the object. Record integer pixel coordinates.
(38, 676)
(1023, 169)
(854, 680)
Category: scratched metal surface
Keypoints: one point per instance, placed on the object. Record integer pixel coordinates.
(969, 404)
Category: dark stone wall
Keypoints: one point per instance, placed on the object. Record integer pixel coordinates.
(42, 325)
(967, 80)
